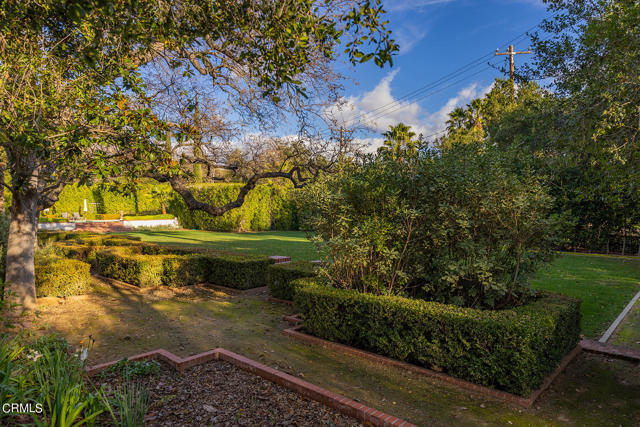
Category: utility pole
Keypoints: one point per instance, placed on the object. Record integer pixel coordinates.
(512, 68)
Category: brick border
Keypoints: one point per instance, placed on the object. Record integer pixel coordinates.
(293, 319)
(525, 402)
(335, 401)
(615, 351)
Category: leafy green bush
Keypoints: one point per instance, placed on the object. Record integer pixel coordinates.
(460, 227)
(148, 217)
(280, 276)
(111, 201)
(106, 240)
(125, 264)
(148, 266)
(512, 350)
(130, 369)
(47, 237)
(266, 207)
(237, 271)
(183, 270)
(103, 217)
(61, 277)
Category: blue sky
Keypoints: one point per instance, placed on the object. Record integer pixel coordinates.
(437, 37)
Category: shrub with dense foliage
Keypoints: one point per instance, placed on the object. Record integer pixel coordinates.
(266, 207)
(61, 277)
(512, 350)
(150, 266)
(109, 200)
(460, 227)
(280, 276)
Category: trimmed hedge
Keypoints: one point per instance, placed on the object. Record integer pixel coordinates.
(46, 237)
(61, 277)
(266, 207)
(123, 263)
(149, 266)
(511, 350)
(142, 201)
(280, 276)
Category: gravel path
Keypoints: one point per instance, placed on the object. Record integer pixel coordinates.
(219, 394)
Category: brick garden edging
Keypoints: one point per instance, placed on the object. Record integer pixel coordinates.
(525, 402)
(335, 401)
(615, 351)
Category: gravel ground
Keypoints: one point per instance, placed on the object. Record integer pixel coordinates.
(219, 394)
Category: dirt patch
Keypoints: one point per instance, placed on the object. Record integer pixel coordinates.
(218, 393)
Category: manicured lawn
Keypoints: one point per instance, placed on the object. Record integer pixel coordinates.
(605, 284)
(289, 243)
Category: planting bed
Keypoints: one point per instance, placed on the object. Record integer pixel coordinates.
(219, 393)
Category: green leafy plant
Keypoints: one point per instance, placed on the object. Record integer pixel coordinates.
(460, 226)
(131, 369)
(128, 405)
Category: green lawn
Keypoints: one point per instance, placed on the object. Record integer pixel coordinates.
(289, 243)
(605, 284)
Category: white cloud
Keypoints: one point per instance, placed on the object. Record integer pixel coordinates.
(408, 36)
(406, 5)
(378, 109)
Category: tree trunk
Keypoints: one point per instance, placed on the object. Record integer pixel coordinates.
(20, 274)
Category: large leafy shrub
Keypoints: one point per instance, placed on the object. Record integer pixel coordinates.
(461, 227)
(512, 350)
(61, 277)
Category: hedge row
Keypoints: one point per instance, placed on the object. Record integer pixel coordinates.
(280, 276)
(511, 350)
(149, 266)
(266, 207)
(61, 277)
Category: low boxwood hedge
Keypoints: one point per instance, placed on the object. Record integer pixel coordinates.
(128, 265)
(148, 266)
(61, 277)
(511, 350)
(279, 277)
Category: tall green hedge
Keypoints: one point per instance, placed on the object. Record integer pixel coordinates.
(266, 207)
(142, 201)
(511, 350)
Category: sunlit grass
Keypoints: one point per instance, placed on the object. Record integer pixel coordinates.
(605, 284)
(289, 243)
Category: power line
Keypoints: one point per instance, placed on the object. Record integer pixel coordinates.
(467, 67)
